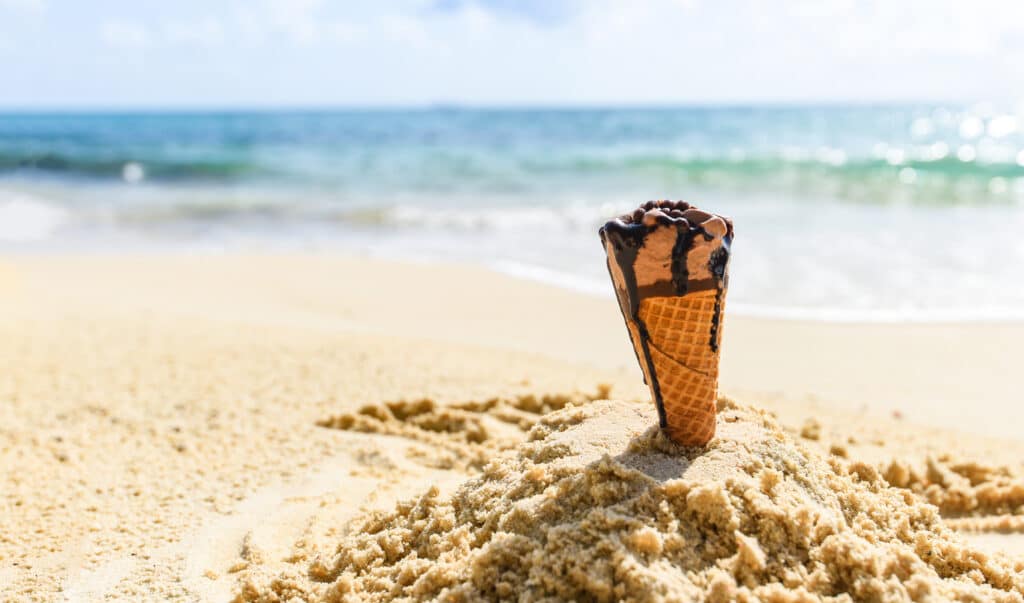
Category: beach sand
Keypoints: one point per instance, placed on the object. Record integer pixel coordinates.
(264, 427)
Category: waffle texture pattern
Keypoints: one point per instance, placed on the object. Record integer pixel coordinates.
(685, 361)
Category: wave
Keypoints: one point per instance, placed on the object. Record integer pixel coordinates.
(917, 176)
(902, 177)
(528, 217)
(24, 218)
(600, 287)
(127, 167)
(841, 268)
(168, 206)
(825, 164)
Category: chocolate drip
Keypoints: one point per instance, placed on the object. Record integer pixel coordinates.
(718, 263)
(626, 241)
(680, 273)
(715, 321)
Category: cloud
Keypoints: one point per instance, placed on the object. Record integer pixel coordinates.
(297, 21)
(23, 6)
(344, 32)
(598, 51)
(124, 33)
(313, 22)
(919, 28)
(205, 31)
(543, 12)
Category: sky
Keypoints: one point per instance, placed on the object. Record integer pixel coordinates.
(284, 53)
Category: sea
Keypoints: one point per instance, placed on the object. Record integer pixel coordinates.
(842, 213)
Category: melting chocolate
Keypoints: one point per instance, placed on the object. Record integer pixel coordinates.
(626, 241)
(627, 238)
(680, 273)
(719, 263)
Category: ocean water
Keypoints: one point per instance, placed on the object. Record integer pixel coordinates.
(841, 213)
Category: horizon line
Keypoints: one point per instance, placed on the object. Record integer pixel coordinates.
(466, 106)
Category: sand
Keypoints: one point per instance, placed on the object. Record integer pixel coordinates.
(596, 505)
(217, 426)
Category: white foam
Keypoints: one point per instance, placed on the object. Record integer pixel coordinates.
(904, 315)
(881, 316)
(24, 218)
(553, 218)
(848, 264)
(549, 276)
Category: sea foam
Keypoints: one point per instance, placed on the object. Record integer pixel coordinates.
(24, 218)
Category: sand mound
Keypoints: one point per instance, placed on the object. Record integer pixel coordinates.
(597, 505)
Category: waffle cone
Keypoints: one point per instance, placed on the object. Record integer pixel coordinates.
(683, 334)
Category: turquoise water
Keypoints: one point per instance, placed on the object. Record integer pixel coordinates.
(904, 212)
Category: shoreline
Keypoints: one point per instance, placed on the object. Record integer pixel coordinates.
(578, 284)
(575, 283)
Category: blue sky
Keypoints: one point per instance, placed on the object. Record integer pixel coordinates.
(259, 53)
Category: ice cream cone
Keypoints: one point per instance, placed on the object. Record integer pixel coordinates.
(669, 264)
